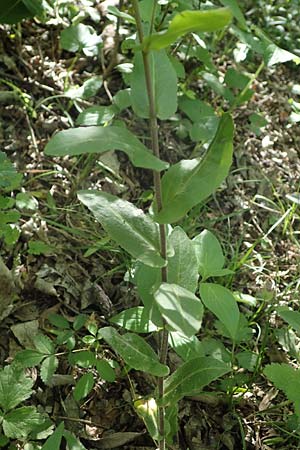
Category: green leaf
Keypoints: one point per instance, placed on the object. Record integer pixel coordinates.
(135, 351)
(247, 360)
(133, 230)
(9, 177)
(205, 120)
(273, 54)
(188, 22)
(88, 89)
(29, 358)
(191, 377)
(48, 368)
(15, 387)
(39, 248)
(72, 442)
(287, 379)
(76, 141)
(190, 182)
(182, 267)
(209, 254)
(134, 319)
(182, 270)
(222, 303)
(83, 386)
(58, 321)
(147, 280)
(13, 11)
(147, 409)
(236, 11)
(83, 358)
(43, 344)
(105, 370)
(290, 316)
(35, 6)
(26, 201)
(186, 347)
(181, 309)
(218, 87)
(164, 86)
(53, 442)
(20, 422)
(95, 115)
(80, 37)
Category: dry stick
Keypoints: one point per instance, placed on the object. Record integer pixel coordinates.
(153, 126)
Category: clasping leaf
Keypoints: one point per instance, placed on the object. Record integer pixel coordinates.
(187, 22)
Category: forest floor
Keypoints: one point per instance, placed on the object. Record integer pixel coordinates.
(80, 271)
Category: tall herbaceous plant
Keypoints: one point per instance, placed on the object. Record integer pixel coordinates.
(167, 263)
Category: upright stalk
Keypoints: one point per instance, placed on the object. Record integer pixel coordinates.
(153, 127)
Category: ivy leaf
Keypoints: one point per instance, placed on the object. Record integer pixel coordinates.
(48, 368)
(287, 379)
(129, 226)
(191, 181)
(96, 139)
(188, 22)
(191, 377)
(181, 309)
(15, 387)
(222, 303)
(83, 386)
(20, 422)
(135, 351)
(164, 86)
(80, 37)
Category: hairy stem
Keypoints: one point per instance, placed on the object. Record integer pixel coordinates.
(153, 127)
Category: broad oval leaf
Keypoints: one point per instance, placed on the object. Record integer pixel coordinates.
(187, 22)
(134, 319)
(290, 316)
(19, 422)
(191, 377)
(164, 86)
(129, 226)
(83, 386)
(76, 141)
(209, 254)
(182, 267)
(105, 370)
(222, 303)
(191, 181)
(181, 309)
(135, 351)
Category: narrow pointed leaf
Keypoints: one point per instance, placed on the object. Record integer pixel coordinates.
(129, 226)
(222, 303)
(53, 442)
(164, 86)
(135, 351)
(48, 368)
(236, 11)
(76, 141)
(191, 377)
(187, 22)
(190, 182)
(181, 309)
(72, 442)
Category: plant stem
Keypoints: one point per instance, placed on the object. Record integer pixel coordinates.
(153, 126)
